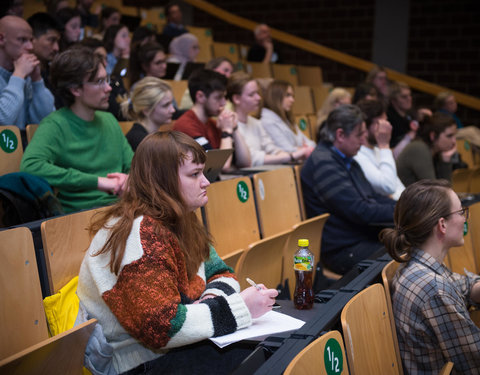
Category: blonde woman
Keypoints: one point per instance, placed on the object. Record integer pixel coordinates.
(277, 119)
(150, 106)
(337, 97)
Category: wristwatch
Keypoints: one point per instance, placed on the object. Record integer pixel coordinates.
(226, 135)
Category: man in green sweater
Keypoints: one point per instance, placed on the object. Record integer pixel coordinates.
(80, 150)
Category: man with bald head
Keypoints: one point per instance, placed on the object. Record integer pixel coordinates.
(24, 99)
(263, 49)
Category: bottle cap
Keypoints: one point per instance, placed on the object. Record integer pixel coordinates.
(303, 242)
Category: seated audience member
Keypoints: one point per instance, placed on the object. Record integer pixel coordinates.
(46, 38)
(222, 65)
(338, 96)
(88, 18)
(143, 35)
(431, 303)
(243, 92)
(108, 16)
(378, 78)
(375, 157)
(207, 89)
(53, 6)
(119, 92)
(147, 60)
(333, 182)
(71, 22)
(403, 117)
(429, 155)
(24, 99)
(277, 119)
(445, 102)
(365, 91)
(263, 49)
(11, 8)
(79, 149)
(117, 44)
(150, 106)
(183, 49)
(151, 276)
(174, 26)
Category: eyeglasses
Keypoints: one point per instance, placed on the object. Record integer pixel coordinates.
(464, 212)
(101, 82)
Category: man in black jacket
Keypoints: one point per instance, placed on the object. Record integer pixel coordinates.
(333, 182)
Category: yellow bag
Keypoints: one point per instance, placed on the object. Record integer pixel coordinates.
(61, 308)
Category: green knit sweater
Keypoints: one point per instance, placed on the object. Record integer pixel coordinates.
(71, 154)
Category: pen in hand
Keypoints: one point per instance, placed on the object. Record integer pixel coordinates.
(254, 284)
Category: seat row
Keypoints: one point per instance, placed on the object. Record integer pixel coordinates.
(370, 338)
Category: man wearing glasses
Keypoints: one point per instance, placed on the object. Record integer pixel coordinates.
(80, 149)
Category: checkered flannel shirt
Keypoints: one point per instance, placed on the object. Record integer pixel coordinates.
(430, 306)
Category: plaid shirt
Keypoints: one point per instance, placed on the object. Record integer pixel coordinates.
(432, 319)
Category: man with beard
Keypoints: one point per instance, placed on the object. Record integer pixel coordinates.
(79, 149)
(207, 90)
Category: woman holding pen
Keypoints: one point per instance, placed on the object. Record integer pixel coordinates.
(151, 276)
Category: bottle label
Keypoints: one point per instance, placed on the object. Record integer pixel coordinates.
(302, 263)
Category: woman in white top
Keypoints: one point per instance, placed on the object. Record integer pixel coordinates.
(375, 156)
(277, 119)
(243, 92)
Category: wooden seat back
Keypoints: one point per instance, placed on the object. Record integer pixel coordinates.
(461, 180)
(22, 319)
(25, 347)
(310, 75)
(30, 130)
(368, 334)
(11, 149)
(310, 229)
(388, 273)
(230, 215)
(286, 73)
(263, 261)
(303, 101)
(324, 356)
(65, 240)
(304, 125)
(277, 200)
(259, 70)
(228, 50)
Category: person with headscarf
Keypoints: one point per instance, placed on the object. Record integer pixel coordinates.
(183, 49)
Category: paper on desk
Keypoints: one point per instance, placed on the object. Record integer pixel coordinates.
(268, 324)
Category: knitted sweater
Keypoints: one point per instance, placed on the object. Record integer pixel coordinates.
(71, 154)
(148, 308)
(22, 101)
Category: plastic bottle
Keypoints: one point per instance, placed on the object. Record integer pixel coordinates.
(303, 265)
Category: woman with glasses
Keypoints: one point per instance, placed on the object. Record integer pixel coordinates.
(431, 303)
